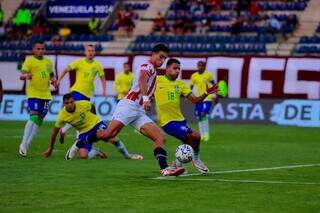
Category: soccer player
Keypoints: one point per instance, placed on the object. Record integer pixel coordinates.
(86, 70)
(38, 71)
(132, 110)
(201, 79)
(79, 115)
(167, 97)
(123, 81)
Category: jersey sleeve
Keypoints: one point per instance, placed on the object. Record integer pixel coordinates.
(74, 65)
(50, 67)
(100, 70)
(26, 66)
(60, 122)
(185, 90)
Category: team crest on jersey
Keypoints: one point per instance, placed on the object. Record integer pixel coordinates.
(176, 88)
(82, 116)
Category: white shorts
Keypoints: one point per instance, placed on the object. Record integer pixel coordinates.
(130, 112)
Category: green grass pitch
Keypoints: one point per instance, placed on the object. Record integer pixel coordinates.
(265, 154)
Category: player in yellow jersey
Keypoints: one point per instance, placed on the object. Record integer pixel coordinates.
(86, 70)
(38, 71)
(167, 97)
(123, 81)
(79, 114)
(201, 79)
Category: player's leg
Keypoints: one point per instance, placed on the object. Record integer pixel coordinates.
(37, 110)
(145, 125)
(204, 121)
(197, 112)
(123, 150)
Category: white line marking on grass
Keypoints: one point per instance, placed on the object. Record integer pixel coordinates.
(247, 170)
(245, 181)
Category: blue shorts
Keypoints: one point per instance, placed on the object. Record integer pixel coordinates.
(202, 108)
(177, 129)
(39, 105)
(85, 140)
(77, 96)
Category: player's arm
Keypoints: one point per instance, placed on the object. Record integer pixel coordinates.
(197, 99)
(143, 85)
(64, 72)
(25, 71)
(52, 141)
(104, 85)
(116, 85)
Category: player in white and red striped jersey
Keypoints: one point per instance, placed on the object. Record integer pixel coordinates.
(132, 110)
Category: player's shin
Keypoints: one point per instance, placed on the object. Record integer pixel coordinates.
(93, 153)
(161, 156)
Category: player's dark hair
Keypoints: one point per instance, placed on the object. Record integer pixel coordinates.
(126, 63)
(160, 47)
(172, 61)
(90, 45)
(66, 97)
(201, 63)
(37, 42)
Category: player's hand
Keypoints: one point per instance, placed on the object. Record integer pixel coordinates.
(26, 76)
(213, 90)
(47, 153)
(54, 82)
(147, 105)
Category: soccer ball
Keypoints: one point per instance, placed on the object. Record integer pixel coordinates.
(184, 153)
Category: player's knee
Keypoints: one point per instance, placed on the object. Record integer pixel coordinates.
(195, 136)
(83, 153)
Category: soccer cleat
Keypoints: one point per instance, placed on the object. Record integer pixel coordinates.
(62, 136)
(135, 157)
(175, 165)
(72, 151)
(200, 166)
(172, 171)
(22, 150)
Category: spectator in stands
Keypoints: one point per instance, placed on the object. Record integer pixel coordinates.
(94, 25)
(38, 29)
(292, 22)
(254, 11)
(1, 15)
(121, 23)
(159, 24)
(129, 15)
(64, 32)
(197, 8)
(23, 20)
(2, 33)
(242, 5)
(56, 41)
(237, 26)
(273, 25)
(203, 26)
(213, 5)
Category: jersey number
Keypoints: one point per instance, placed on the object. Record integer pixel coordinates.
(44, 74)
(170, 96)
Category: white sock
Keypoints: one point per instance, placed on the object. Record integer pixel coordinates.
(122, 149)
(78, 133)
(93, 153)
(178, 163)
(201, 129)
(206, 126)
(27, 132)
(33, 133)
(65, 128)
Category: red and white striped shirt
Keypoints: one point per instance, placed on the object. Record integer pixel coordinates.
(135, 94)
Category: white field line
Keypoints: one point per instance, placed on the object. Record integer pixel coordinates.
(247, 170)
(245, 181)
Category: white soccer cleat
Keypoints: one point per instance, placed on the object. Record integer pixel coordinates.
(72, 151)
(172, 171)
(135, 157)
(23, 150)
(200, 166)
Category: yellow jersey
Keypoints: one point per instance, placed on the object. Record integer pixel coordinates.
(201, 81)
(85, 74)
(123, 83)
(82, 118)
(167, 97)
(40, 69)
